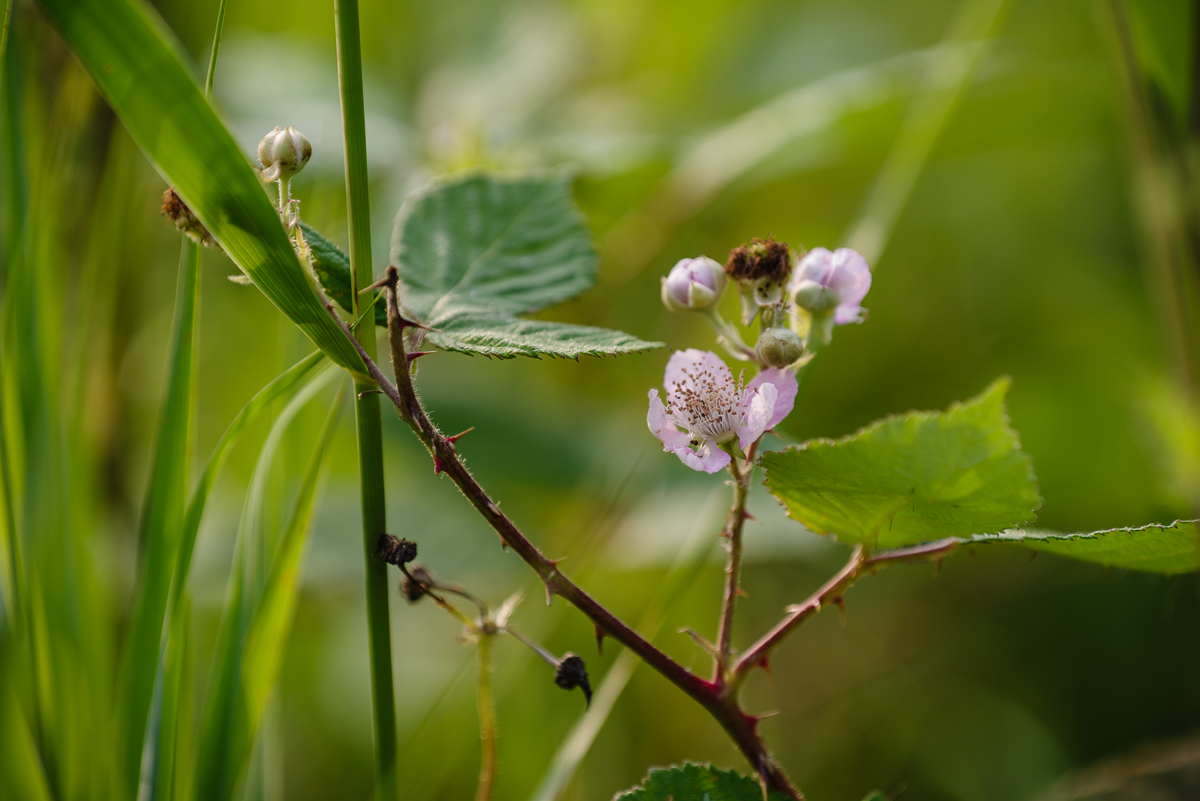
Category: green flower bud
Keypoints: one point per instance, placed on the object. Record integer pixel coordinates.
(816, 298)
(779, 347)
(283, 153)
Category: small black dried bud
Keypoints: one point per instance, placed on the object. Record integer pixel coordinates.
(415, 584)
(395, 551)
(760, 259)
(175, 210)
(571, 672)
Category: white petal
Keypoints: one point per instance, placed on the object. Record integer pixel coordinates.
(695, 362)
(708, 458)
(786, 386)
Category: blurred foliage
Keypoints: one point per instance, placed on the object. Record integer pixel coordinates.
(693, 127)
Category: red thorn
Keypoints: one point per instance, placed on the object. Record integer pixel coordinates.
(439, 466)
(742, 593)
(724, 534)
(412, 357)
(749, 516)
(765, 664)
(600, 640)
(460, 434)
(841, 605)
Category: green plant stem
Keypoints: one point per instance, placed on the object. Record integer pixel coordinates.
(366, 406)
(487, 719)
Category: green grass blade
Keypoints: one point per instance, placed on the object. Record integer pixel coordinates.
(141, 70)
(161, 527)
(283, 386)
(266, 639)
(225, 720)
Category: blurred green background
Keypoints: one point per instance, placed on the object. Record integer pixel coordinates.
(693, 126)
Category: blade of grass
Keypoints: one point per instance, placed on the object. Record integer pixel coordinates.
(224, 744)
(161, 529)
(366, 406)
(141, 70)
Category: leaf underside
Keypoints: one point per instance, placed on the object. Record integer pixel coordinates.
(692, 782)
(912, 478)
(477, 250)
(1173, 548)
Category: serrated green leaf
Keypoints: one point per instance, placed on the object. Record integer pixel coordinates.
(143, 73)
(693, 782)
(475, 251)
(1154, 548)
(332, 268)
(908, 479)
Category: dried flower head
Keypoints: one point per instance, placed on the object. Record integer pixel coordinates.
(416, 583)
(760, 260)
(571, 672)
(175, 210)
(394, 550)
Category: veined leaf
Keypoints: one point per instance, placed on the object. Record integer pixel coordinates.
(1154, 548)
(475, 251)
(144, 75)
(908, 479)
(693, 782)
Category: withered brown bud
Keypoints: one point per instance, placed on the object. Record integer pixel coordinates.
(571, 672)
(175, 210)
(760, 259)
(415, 583)
(395, 551)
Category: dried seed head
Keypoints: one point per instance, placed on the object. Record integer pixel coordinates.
(760, 260)
(571, 673)
(175, 210)
(415, 583)
(394, 550)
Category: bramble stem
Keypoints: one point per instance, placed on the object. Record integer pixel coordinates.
(831, 592)
(735, 521)
(366, 406)
(741, 727)
(487, 719)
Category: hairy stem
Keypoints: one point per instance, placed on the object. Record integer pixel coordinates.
(487, 720)
(741, 727)
(861, 562)
(735, 521)
(366, 407)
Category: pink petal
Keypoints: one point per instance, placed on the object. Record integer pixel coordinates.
(846, 314)
(851, 277)
(785, 385)
(695, 362)
(817, 265)
(708, 458)
(759, 404)
(661, 425)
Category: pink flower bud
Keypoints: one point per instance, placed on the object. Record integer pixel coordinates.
(834, 282)
(693, 284)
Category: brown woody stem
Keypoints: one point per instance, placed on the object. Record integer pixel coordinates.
(719, 697)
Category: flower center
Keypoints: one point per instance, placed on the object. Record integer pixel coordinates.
(707, 403)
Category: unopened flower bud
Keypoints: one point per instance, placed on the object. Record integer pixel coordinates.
(779, 347)
(815, 298)
(693, 284)
(283, 153)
